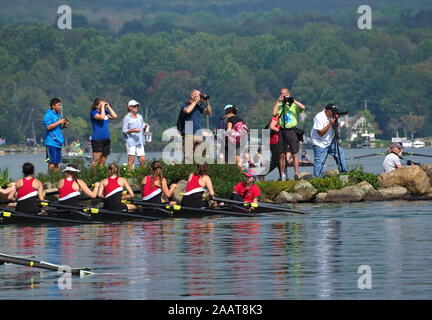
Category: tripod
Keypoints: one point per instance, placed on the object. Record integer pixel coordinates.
(336, 142)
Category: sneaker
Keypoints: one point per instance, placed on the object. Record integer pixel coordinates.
(284, 178)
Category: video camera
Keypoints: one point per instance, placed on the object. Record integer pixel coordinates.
(335, 110)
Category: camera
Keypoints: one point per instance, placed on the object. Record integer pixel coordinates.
(288, 100)
(342, 113)
(204, 96)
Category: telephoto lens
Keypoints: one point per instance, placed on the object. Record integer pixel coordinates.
(204, 96)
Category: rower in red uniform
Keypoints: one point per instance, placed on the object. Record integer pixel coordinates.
(154, 185)
(247, 191)
(111, 190)
(197, 181)
(71, 186)
(29, 191)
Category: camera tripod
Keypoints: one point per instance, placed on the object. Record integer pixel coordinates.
(336, 142)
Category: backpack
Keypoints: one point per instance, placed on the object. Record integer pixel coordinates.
(239, 130)
(181, 122)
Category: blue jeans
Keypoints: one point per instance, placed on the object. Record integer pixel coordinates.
(320, 156)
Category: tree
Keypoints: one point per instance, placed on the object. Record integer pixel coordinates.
(413, 123)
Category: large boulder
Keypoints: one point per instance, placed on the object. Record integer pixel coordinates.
(305, 190)
(374, 195)
(321, 197)
(393, 193)
(413, 178)
(347, 194)
(288, 197)
(428, 169)
(179, 190)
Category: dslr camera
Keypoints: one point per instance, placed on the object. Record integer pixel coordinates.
(335, 110)
(288, 100)
(204, 96)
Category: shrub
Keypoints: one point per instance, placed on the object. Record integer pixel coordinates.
(358, 175)
(270, 189)
(327, 183)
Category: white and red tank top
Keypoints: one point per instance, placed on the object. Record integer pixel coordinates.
(27, 190)
(149, 190)
(193, 185)
(112, 187)
(67, 191)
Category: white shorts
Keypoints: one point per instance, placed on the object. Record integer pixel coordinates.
(136, 150)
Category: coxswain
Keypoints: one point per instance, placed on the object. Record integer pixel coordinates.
(71, 186)
(29, 191)
(197, 182)
(247, 191)
(155, 184)
(111, 190)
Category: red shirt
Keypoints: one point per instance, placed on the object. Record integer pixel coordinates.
(248, 194)
(274, 136)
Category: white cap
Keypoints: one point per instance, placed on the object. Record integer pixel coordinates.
(133, 103)
(70, 169)
(228, 106)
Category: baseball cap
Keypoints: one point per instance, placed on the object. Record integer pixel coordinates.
(250, 173)
(331, 107)
(228, 106)
(133, 103)
(68, 168)
(396, 146)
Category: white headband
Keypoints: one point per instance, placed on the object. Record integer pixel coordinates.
(71, 169)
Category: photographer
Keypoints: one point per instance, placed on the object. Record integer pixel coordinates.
(324, 140)
(54, 123)
(287, 110)
(191, 110)
(100, 114)
(392, 160)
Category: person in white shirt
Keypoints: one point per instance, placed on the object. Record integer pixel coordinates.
(392, 160)
(133, 128)
(323, 142)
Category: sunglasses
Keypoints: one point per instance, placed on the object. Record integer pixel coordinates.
(135, 106)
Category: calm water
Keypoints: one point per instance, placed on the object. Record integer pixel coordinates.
(275, 256)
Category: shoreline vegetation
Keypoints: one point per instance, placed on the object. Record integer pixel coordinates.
(410, 183)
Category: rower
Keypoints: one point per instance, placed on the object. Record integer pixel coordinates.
(197, 181)
(111, 189)
(9, 191)
(71, 186)
(28, 191)
(155, 184)
(247, 191)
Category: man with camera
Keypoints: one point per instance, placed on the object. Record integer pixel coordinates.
(197, 104)
(54, 124)
(392, 160)
(100, 114)
(287, 109)
(325, 137)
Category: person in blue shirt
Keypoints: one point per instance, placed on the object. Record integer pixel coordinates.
(191, 110)
(100, 114)
(54, 123)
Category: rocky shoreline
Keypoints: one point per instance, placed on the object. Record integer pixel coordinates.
(411, 183)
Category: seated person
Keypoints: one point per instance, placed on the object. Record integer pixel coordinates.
(247, 191)
(197, 181)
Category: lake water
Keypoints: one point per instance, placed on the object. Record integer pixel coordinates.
(274, 256)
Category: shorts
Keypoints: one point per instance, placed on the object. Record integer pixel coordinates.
(137, 150)
(102, 146)
(288, 140)
(54, 154)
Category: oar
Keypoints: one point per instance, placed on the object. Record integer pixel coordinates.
(5, 214)
(98, 210)
(176, 207)
(256, 205)
(5, 258)
(416, 154)
(369, 155)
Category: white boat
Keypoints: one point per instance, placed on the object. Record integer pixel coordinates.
(404, 141)
(419, 144)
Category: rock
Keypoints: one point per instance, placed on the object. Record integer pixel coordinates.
(393, 192)
(373, 195)
(366, 186)
(347, 194)
(305, 190)
(285, 197)
(344, 178)
(428, 169)
(179, 190)
(414, 179)
(329, 173)
(320, 197)
(305, 176)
